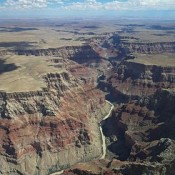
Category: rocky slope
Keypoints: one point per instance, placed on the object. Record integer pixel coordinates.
(115, 167)
(58, 126)
(53, 128)
(132, 80)
(146, 131)
(140, 133)
(118, 47)
(141, 136)
(80, 53)
(48, 130)
(151, 48)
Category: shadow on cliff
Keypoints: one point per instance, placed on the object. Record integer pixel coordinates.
(15, 29)
(117, 144)
(120, 150)
(17, 45)
(7, 67)
(86, 56)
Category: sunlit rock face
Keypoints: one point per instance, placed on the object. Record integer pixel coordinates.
(48, 130)
(140, 133)
(141, 137)
(132, 81)
(53, 128)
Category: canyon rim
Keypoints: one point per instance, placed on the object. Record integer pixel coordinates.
(86, 95)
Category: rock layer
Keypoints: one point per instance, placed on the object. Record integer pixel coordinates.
(130, 80)
(52, 129)
(141, 135)
(151, 48)
(48, 130)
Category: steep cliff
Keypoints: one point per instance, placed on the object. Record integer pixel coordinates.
(144, 131)
(141, 137)
(115, 167)
(82, 54)
(116, 47)
(133, 80)
(48, 130)
(151, 48)
(53, 128)
(140, 133)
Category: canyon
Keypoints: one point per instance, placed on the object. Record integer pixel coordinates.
(103, 105)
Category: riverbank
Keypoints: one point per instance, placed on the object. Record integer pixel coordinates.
(102, 135)
(58, 173)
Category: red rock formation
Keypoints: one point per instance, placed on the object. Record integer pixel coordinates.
(130, 80)
(147, 131)
(48, 130)
(151, 48)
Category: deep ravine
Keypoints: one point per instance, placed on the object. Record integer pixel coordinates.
(102, 136)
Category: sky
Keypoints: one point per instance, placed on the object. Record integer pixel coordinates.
(84, 8)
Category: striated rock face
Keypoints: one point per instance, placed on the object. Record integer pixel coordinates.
(80, 54)
(109, 45)
(115, 167)
(142, 136)
(151, 48)
(48, 130)
(118, 47)
(53, 128)
(58, 126)
(144, 132)
(131, 80)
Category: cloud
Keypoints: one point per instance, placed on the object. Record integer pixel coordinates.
(92, 4)
(30, 3)
(87, 4)
(123, 5)
(26, 3)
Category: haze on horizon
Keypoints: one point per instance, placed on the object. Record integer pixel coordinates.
(162, 9)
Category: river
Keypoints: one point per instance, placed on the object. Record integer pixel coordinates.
(102, 136)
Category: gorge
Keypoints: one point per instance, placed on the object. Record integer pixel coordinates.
(101, 104)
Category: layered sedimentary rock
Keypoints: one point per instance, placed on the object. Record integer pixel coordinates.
(142, 136)
(115, 167)
(140, 133)
(132, 80)
(145, 130)
(48, 130)
(80, 53)
(53, 128)
(151, 48)
(118, 47)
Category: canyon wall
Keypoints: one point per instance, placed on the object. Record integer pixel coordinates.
(52, 129)
(140, 133)
(82, 54)
(132, 80)
(49, 130)
(151, 48)
(141, 136)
